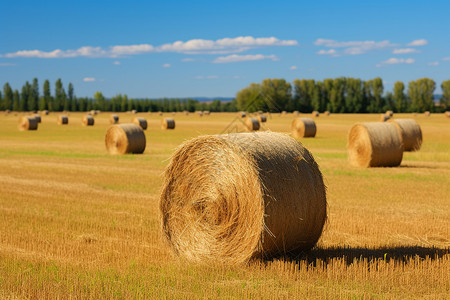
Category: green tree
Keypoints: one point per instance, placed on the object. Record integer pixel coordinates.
(33, 97)
(24, 96)
(7, 102)
(71, 97)
(47, 96)
(16, 101)
(421, 94)
(250, 98)
(445, 99)
(303, 94)
(337, 96)
(400, 100)
(59, 100)
(124, 104)
(277, 94)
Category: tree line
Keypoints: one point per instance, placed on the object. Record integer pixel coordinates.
(338, 95)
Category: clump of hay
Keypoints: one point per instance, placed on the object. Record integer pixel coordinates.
(206, 112)
(88, 120)
(427, 113)
(410, 132)
(327, 113)
(28, 123)
(125, 138)
(38, 118)
(141, 122)
(230, 198)
(167, 123)
(389, 113)
(252, 124)
(315, 113)
(447, 114)
(45, 112)
(296, 113)
(283, 113)
(134, 111)
(114, 119)
(384, 117)
(200, 113)
(375, 144)
(262, 118)
(62, 120)
(303, 127)
(242, 114)
(92, 113)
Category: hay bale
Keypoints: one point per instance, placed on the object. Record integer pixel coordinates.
(134, 111)
(375, 144)
(167, 123)
(141, 122)
(45, 112)
(200, 113)
(327, 113)
(283, 113)
(389, 113)
(384, 118)
(62, 120)
(262, 118)
(92, 113)
(206, 112)
(125, 138)
(427, 114)
(88, 120)
(242, 114)
(114, 119)
(410, 132)
(315, 113)
(28, 123)
(252, 124)
(229, 198)
(38, 118)
(296, 113)
(303, 127)
(447, 114)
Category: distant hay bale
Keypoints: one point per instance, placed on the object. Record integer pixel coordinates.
(303, 127)
(125, 138)
(167, 123)
(242, 114)
(134, 111)
(427, 114)
(114, 119)
(38, 118)
(283, 113)
(92, 113)
(206, 112)
(389, 113)
(45, 112)
(62, 120)
(141, 122)
(88, 120)
(252, 124)
(262, 118)
(384, 118)
(410, 132)
(296, 113)
(326, 113)
(315, 113)
(447, 114)
(375, 144)
(229, 198)
(28, 123)
(200, 113)
(186, 113)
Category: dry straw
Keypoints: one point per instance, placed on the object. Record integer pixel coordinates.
(141, 122)
(38, 118)
(242, 114)
(88, 120)
(125, 138)
(114, 119)
(427, 113)
(200, 113)
(447, 114)
(303, 127)
(390, 113)
(410, 132)
(252, 124)
(384, 117)
(262, 118)
(227, 199)
(28, 123)
(45, 112)
(62, 120)
(327, 113)
(167, 123)
(315, 113)
(296, 113)
(206, 112)
(375, 144)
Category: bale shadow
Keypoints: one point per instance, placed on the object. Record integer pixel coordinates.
(351, 254)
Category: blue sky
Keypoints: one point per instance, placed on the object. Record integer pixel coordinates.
(215, 48)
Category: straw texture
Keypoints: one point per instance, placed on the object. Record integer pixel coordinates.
(62, 120)
(389, 113)
(28, 123)
(384, 117)
(114, 119)
(125, 138)
(167, 123)
(262, 118)
(327, 113)
(252, 124)
(303, 127)
(374, 144)
(410, 132)
(141, 122)
(233, 197)
(38, 118)
(315, 113)
(88, 120)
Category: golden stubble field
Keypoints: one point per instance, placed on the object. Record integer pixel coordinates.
(76, 222)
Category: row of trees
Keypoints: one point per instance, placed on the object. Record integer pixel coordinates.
(342, 95)
(339, 95)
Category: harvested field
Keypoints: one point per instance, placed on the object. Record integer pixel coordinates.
(77, 222)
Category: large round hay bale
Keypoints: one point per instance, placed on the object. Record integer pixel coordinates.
(114, 119)
(303, 127)
(384, 117)
(62, 120)
(252, 124)
(315, 113)
(410, 132)
(375, 144)
(88, 120)
(141, 122)
(229, 198)
(167, 123)
(38, 118)
(125, 138)
(262, 118)
(28, 123)
(389, 113)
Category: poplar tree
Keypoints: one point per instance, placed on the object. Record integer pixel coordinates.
(445, 99)
(7, 102)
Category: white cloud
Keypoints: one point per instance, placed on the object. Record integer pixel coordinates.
(166, 65)
(89, 79)
(395, 61)
(446, 58)
(352, 47)
(327, 52)
(116, 62)
(195, 46)
(405, 51)
(293, 68)
(434, 63)
(416, 43)
(240, 58)
(187, 59)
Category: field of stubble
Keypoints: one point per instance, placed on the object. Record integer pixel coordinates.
(76, 222)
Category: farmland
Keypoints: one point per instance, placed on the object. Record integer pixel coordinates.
(78, 222)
